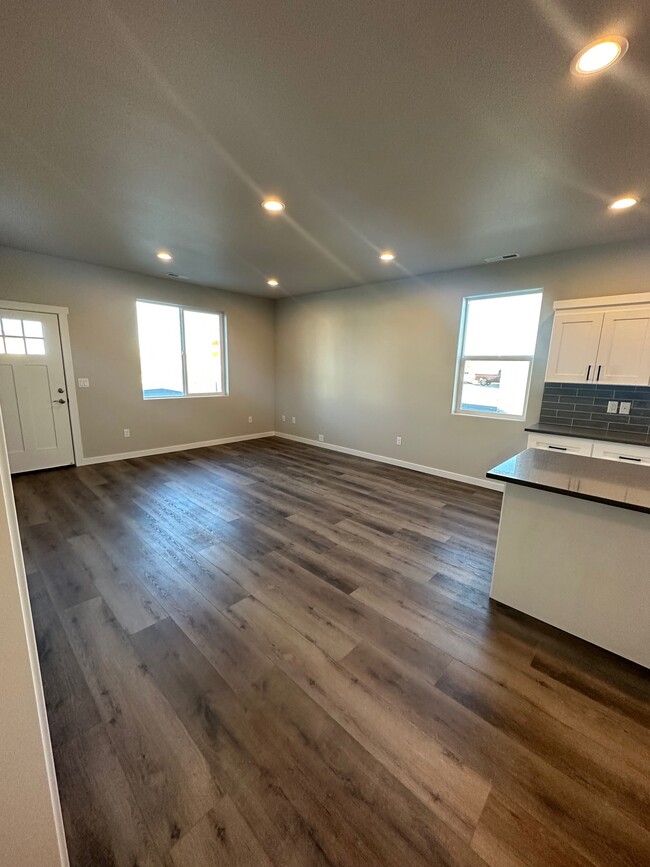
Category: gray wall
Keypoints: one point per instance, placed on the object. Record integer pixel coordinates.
(31, 830)
(360, 366)
(364, 365)
(103, 334)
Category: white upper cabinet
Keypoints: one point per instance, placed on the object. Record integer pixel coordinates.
(603, 340)
(624, 351)
(574, 346)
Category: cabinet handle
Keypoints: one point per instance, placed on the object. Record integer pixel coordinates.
(598, 374)
(588, 372)
(564, 448)
(625, 458)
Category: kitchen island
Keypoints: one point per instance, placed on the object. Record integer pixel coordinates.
(574, 547)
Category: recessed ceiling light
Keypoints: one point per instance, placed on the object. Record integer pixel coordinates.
(273, 205)
(273, 282)
(599, 55)
(387, 256)
(623, 202)
(165, 256)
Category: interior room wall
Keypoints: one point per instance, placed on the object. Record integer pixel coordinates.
(31, 830)
(364, 365)
(103, 335)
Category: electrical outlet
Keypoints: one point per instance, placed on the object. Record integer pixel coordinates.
(625, 407)
(127, 431)
(321, 438)
(612, 406)
(250, 419)
(293, 419)
(284, 418)
(398, 441)
(83, 383)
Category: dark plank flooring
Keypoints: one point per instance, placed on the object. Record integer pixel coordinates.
(271, 654)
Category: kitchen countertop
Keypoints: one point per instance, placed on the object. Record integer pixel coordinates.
(587, 433)
(609, 482)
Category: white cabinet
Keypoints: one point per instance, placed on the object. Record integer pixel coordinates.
(605, 343)
(622, 452)
(572, 445)
(624, 350)
(574, 346)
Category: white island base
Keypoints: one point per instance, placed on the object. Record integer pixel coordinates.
(580, 565)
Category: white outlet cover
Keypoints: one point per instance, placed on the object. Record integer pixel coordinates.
(293, 419)
(612, 406)
(625, 407)
(127, 432)
(83, 383)
(398, 441)
(321, 438)
(250, 419)
(284, 418)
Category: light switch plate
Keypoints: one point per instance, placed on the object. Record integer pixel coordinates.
(612, 406)
(625, 407)
(83, 383)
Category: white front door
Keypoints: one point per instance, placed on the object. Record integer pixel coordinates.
(33, 394)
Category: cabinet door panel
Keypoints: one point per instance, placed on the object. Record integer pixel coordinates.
(574, 346)
(550, 442)
(623, 452)
(624, 351)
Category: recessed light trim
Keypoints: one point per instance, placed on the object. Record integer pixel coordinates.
(165, 256)
(623, 202)
(599, 55)
(387, 256)
(273, 205)
(273, 282)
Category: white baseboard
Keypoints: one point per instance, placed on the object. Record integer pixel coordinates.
(143, 453)
(407, 465)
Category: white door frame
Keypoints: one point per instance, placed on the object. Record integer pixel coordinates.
(66, 350)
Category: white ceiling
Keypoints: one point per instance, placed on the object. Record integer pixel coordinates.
(448, 130)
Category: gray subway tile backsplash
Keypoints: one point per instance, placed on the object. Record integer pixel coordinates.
(584, 405)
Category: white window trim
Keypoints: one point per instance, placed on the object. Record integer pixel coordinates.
(461, 359)
(224, 351)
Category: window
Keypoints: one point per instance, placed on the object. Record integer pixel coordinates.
(21, 337)
(495, 357)
(181, 351)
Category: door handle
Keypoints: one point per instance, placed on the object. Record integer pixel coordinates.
(588, 372)
(598, 374)
(60, 400)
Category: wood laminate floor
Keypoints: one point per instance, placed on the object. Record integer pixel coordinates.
(271, 654)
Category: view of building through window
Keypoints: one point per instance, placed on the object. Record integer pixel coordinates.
(497, 345)
(181, 351)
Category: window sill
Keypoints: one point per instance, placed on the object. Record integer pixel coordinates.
(182, 396)
(499, 415)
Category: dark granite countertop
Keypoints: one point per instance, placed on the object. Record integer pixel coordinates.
(587, 433)
(610, 482)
